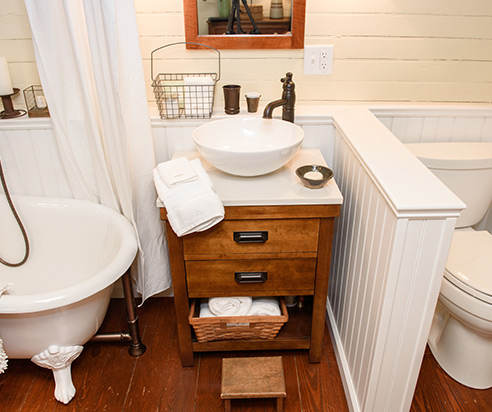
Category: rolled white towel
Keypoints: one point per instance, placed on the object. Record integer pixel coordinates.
(264, 307)
(230, 306)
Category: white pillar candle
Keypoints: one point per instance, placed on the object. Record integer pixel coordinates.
(314, 175)
(5, 83)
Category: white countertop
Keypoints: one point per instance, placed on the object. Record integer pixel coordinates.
(281, 187)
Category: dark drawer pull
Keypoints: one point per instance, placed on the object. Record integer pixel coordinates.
(251, 237)
(250, 277)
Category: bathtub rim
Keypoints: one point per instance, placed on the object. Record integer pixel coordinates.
(29, 303)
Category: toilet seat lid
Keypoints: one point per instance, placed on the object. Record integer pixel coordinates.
(453, 155)
(469, 264)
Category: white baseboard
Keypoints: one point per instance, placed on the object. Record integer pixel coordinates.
(348, 386)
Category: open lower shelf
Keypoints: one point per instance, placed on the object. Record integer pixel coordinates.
(295, 334)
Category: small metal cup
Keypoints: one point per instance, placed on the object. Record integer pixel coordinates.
(253, 99)
(231, 98)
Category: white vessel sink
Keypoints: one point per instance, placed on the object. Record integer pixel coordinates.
(248, 146)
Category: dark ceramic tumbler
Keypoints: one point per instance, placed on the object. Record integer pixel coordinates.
(231, 98)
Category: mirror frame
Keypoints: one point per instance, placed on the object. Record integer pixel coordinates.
(295, 40)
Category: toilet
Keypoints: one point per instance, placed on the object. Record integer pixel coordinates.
(461, 333)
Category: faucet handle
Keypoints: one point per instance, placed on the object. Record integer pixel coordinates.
(287, 78)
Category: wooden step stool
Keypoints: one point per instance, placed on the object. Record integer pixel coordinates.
(245, 378)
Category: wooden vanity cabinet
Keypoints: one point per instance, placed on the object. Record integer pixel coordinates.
(290, 243)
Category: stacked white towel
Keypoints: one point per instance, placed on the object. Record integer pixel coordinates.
(198, 95)
(187, 193)
(239, 306)
(264, 307)
(7, 289)
(204, 309)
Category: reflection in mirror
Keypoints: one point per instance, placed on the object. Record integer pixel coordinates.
(245, 24)
(255, 16)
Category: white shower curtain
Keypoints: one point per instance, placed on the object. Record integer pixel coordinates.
(89, 61)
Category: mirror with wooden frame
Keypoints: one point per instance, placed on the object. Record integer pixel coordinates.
(290, 37)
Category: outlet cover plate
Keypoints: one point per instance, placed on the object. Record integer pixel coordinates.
(318, 59)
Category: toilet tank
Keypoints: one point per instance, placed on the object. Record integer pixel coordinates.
(466, 168)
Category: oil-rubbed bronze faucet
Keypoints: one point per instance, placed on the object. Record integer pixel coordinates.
(287, 101)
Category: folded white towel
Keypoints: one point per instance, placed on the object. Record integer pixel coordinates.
(177, 171)
(204, 309)
(191, 206)
(264, 307)
(230, 306)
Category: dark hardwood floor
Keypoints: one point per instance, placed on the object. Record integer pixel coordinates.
(108, 379)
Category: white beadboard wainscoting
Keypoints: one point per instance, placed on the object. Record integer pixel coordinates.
(391, 244)
(32, 163)
(438, 125)
(31, 160)
(391, 239)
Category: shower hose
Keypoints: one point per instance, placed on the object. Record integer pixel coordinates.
(17, 219)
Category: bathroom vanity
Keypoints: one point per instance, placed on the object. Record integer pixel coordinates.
(275, 240)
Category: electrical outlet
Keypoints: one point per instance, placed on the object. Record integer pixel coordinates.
(318, 60)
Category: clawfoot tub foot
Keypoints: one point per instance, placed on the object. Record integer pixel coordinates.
(59, 359)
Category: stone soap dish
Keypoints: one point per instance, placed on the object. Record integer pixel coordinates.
(314, 176)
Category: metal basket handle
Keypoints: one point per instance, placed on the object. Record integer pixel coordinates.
(173, 44)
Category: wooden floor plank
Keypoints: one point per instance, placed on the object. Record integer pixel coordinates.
(438, 392)
(111, 366)
(108, 379)
(86, 375)
(335, 396)
(208, 386)
(16, 383)
(160, 383)
(318, 382)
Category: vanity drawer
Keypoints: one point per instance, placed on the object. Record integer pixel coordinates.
(255, 236)
(250, 277)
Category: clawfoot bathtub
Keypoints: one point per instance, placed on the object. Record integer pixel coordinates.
(61, 294)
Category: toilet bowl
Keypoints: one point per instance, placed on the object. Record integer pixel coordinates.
(461, 333)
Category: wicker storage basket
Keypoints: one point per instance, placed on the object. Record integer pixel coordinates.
(236, 327)
(256, 12)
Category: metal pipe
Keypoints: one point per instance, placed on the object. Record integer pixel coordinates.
(122, 336)
(137, 348)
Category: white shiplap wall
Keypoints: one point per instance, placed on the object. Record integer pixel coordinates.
(384, 51)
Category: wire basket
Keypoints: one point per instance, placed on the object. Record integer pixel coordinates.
(236, 327)
(184, 95)
(36, 102)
